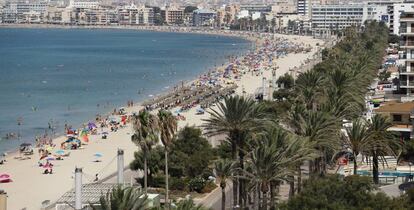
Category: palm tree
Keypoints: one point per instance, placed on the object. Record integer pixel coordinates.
(188, 204)
(146, 136)
(223, 170)
(168, 128)
(383, 142)
(358, 139)
(122, 198)
(235, 117)
(272, 161)
(308, 85)
(322, 129)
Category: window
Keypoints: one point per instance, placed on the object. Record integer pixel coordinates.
(396, 118)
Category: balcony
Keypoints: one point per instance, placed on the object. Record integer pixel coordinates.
(407, 17)
(404, 84)
(401, 128)
(407, 44)
(405, 32)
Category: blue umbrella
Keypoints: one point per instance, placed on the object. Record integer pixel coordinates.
(98, 154)
(60, 152)
(50, 158)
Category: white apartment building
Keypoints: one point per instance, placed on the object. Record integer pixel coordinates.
(303, 7)
(404, 25)
(341, 16)
(135, 15)
(84, 4)
(400, 9)
(24, 12)
(253, 8)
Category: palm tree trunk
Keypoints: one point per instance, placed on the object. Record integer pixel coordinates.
(223, 198)
(355, 165)
(310, 162)
(145, 173)
(235, 181)
(256, 203)
(241, 182)
(264, 199)
(375, 167)
(272, 195)
(323, 163)
(167, 203)
(291, 186)
(299, 179)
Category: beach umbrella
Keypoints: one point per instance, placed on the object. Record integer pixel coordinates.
(50, 158)
(4, 178)
(84, 135)
(91, 125)
(98, 155)
(105, 133)
(60, 152)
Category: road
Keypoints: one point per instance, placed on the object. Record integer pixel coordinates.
(213, 200)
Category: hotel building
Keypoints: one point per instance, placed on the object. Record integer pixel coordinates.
(340, 16)
(173, 15)
(406, 30)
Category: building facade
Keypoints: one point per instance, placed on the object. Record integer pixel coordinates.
(303, 7)
(203, 17)
(173, 15)
(134, 15)
(253, 8)
(24, 12)
(406, 30)
(340, 16)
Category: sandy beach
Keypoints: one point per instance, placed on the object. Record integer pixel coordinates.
(30, 187)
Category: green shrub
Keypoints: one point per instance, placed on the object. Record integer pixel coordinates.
(196, 184)
(210, 186)
(207, 173)
(178, 183)
(157, 181)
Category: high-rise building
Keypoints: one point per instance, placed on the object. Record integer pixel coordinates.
(404, 23)
(303, 7)
(173, 15)
(203, 17)
(339, 16)
(135, 15)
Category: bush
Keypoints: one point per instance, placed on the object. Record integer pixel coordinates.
(178, 183)
(207, 173)
(157, 181)
(210, 186)
(196, 184)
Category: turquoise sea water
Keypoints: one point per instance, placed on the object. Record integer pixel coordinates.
(60, 76)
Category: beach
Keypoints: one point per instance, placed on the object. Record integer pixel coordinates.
(29, 187)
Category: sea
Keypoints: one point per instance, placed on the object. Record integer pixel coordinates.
(53, 77)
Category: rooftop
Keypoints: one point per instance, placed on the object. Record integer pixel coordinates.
(90, 193)
(396, 107)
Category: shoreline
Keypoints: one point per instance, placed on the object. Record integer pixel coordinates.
(161, 29)
(250, 83)
(160, 92)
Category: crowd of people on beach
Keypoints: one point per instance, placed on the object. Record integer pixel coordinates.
(203, 92)
(220, 82)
